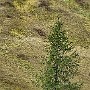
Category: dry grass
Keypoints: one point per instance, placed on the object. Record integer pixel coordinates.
(23, 37)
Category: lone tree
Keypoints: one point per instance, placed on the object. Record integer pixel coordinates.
(61, 66)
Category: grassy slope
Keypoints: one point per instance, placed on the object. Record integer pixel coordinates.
(22, 46)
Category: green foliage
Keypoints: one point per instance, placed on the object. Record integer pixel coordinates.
(60, 67)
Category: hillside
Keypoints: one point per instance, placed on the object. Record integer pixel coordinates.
(24, 28)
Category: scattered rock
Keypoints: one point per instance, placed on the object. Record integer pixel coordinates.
(40, 32)
(8, 16)
(44, 3)
(22, 56)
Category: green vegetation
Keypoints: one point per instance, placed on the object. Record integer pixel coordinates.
(23, 38)
(60, 67)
